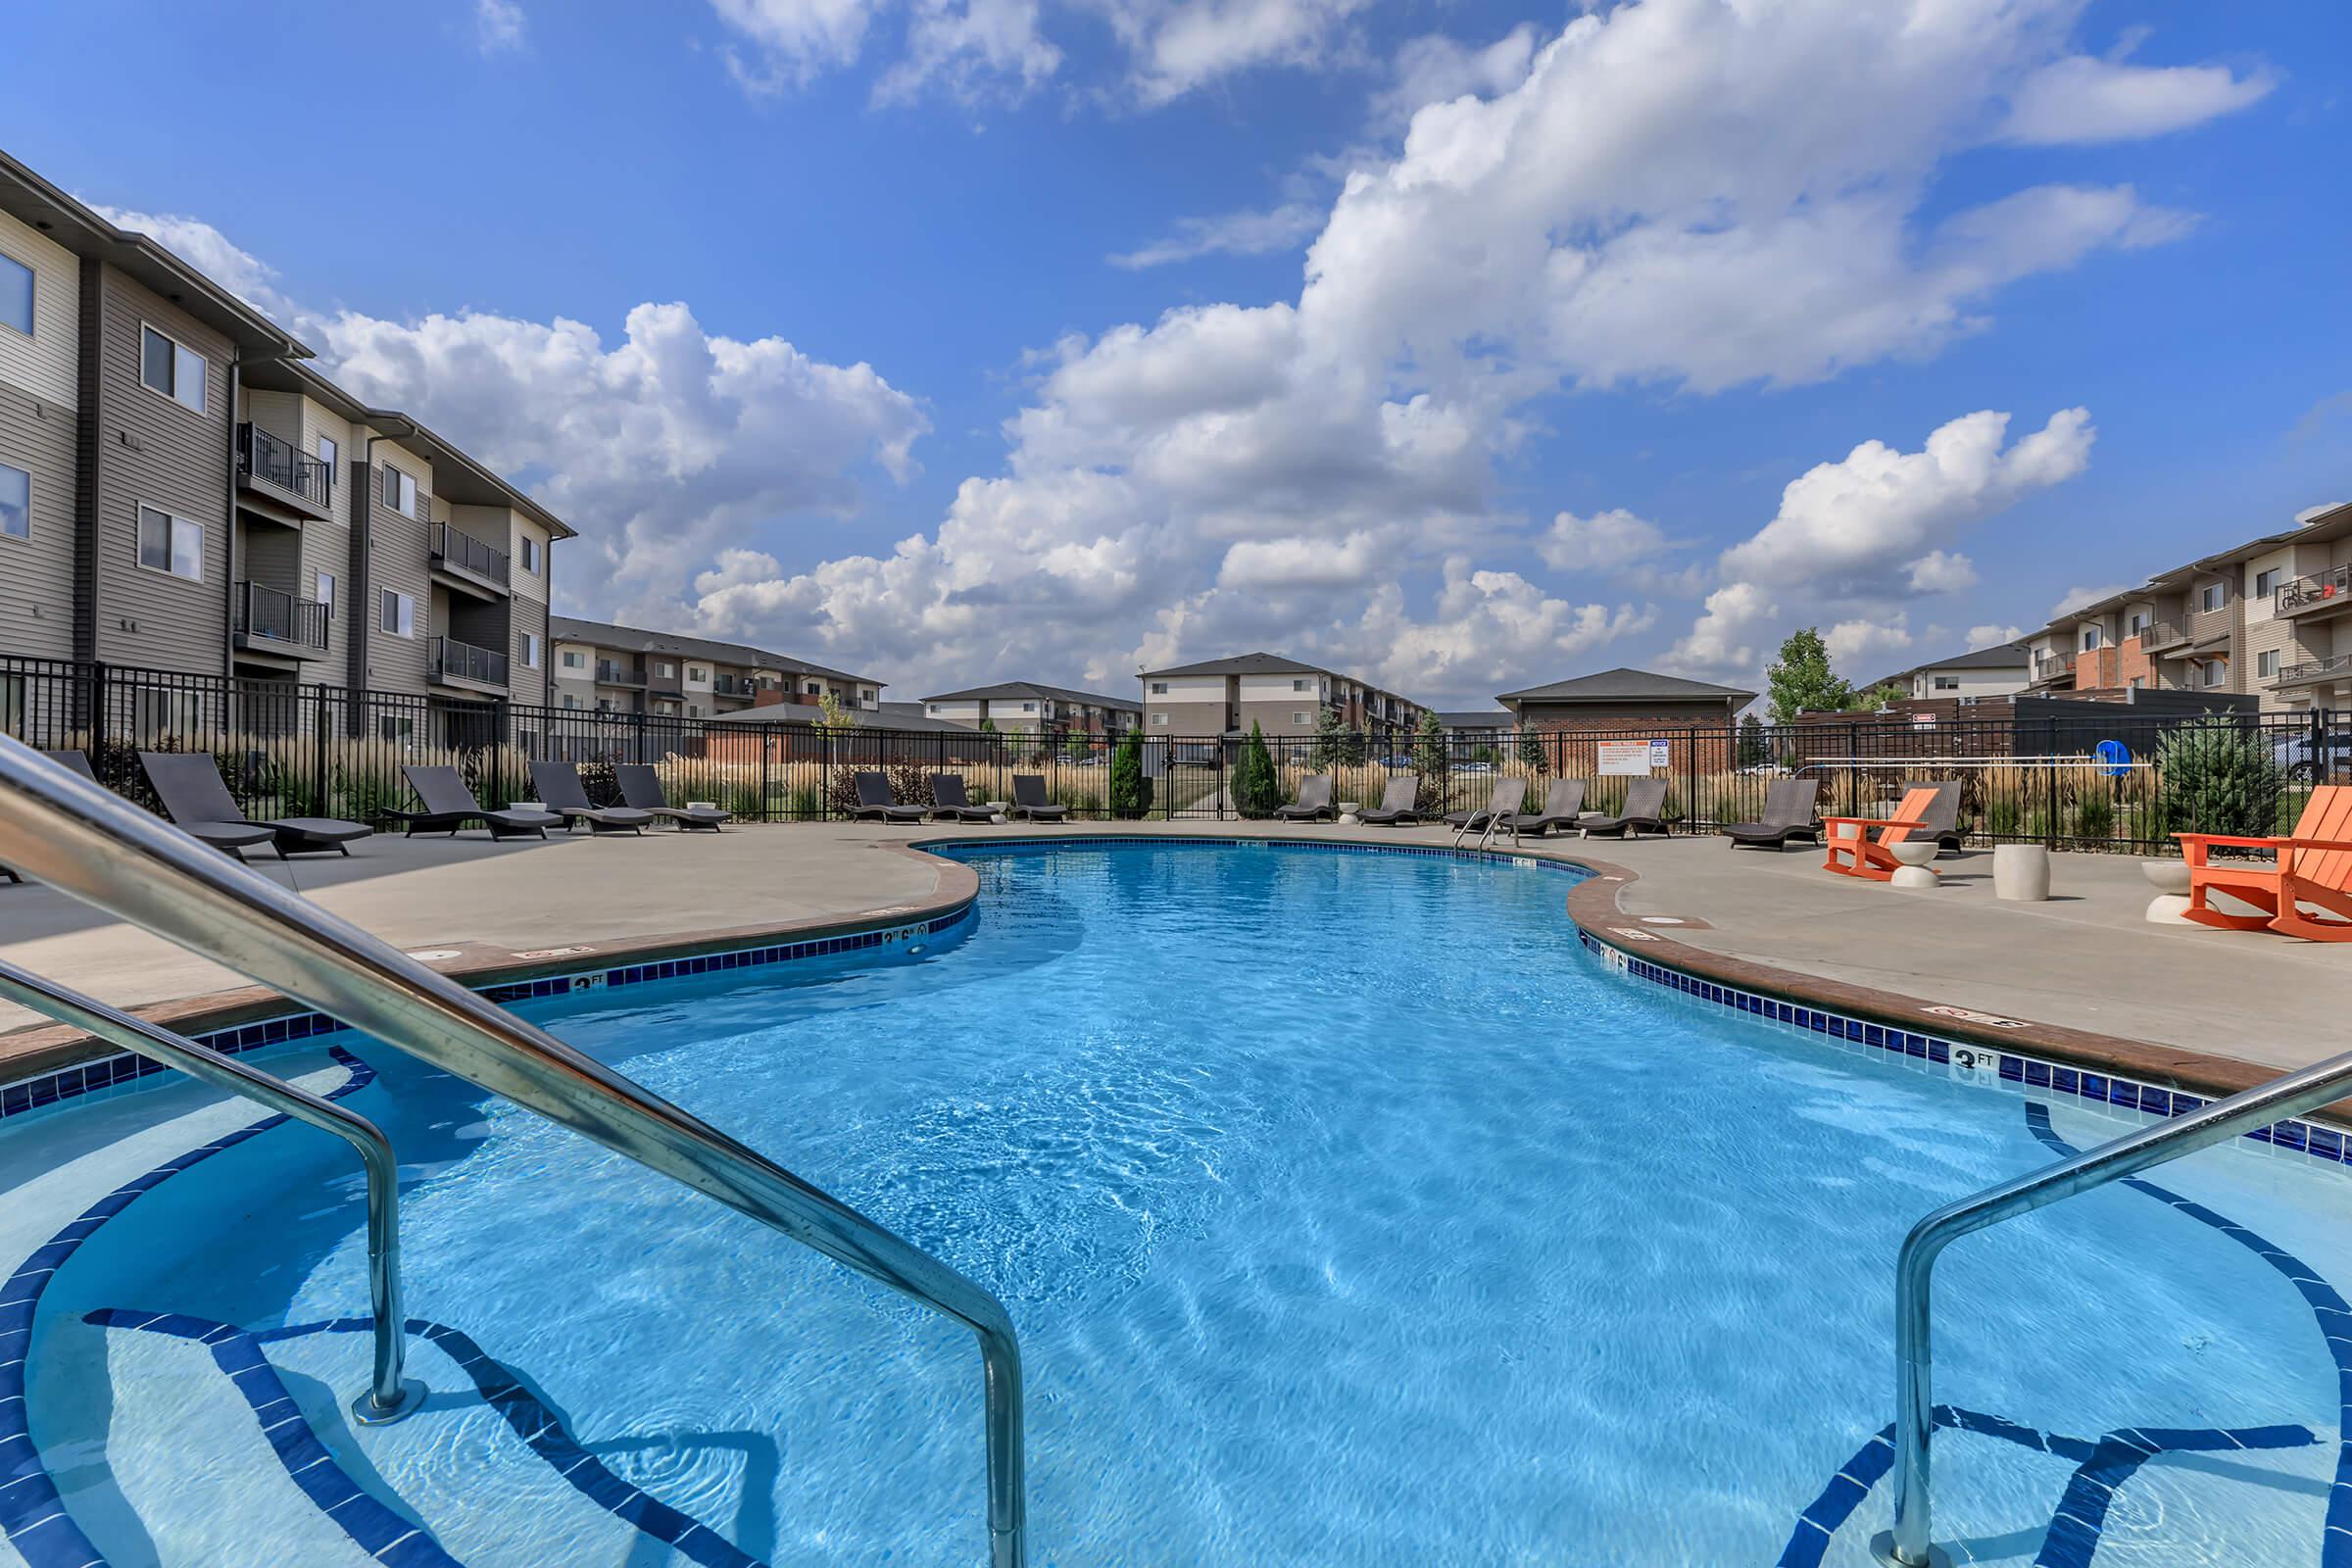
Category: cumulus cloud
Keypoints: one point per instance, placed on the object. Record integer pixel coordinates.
(1993, 634)
(1248, 234)
(1436, 70)
(2075, 598)
(498, 25)
(975, 51)
(2079, 99)
(1941, 572)
(1606, 542)
(790, 43)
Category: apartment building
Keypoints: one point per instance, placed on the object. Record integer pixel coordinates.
(1283, 696)
(1026, 708)
(2001, 670)
(180, 492)
(604, 667)
(2266, 619)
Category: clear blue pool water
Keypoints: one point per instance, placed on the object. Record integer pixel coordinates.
(1349, 1212)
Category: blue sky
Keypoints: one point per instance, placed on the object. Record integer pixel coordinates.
(968, 339)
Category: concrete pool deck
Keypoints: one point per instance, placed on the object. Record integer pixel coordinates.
(2084, 961)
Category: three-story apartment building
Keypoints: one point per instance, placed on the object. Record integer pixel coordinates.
(1281, 695)
(180, 493)
(2266, 618)
(605, 668)
(1027, 708)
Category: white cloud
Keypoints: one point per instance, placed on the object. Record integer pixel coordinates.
(1179, 47)
(2075, 598)
(1941, 572)
(2079, 99)
(793, 42)
(1993, 634)
(1301, 563)
(1606, 542)
(973, 51)
(1853, 644)
(1248, 234)
(498, 25)
(1436, 70)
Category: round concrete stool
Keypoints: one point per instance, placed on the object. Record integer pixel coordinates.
(2169, 879)
(2021, 873)
(1348, 810)
(1914, 874)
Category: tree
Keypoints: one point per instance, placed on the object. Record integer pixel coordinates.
(1531, 751)
(1079, 744)
(1334, 743)
(1801, 681)
(1127, 783)
(2214, 776)
(1256, 787)
(1754, 751)
(830, 714)
(1885, 694)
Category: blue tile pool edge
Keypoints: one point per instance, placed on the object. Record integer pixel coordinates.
(45, 1090)
(1970, 1060)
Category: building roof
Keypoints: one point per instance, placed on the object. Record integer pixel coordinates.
(2000, 656)
(1499, 719)
(639, 639)
(1623, 685)
(809, 714)
(1032, 690)
(1244, 664)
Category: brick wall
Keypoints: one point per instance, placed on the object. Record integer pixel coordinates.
(1571, 742)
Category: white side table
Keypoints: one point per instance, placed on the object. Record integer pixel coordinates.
(1915, 874)
(2169, 879)
(1347, 810)
(2021, 873)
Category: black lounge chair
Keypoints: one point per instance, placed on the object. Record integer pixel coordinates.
(1788, 814)
(1314, 804)
(1644, 808)
(197, 803)
(1503, 804)
(641, 791)
(1940, 821)
(1029, 800)
(950, 800)
(876, 799)
(449, 806)
(561, 792)
(1563, 803)
(1396, 803)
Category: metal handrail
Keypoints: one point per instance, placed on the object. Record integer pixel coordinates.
(389, 1395)
(1906, 1546)
(90, 843)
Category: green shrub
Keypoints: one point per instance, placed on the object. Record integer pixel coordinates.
(2216, 777)
(2001, 818)
(1128, 797)
(1256, 789)
(2094, 816)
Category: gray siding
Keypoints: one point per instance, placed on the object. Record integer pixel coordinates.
(525, 685)
(36, 574)
(397, 560)
(152, 449)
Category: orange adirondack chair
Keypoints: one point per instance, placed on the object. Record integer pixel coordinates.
(2313, 866)
(1865, 857)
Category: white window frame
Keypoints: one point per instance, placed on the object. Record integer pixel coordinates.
(2214, 672)
(1159, 688)
(573, 658)
(1298, 683)
(26, 535)
(173, 522)
(407, 603)
(1946, 683)
(2217, 593)
(528, 553)
(531, 649)
(1298, 717)
(329, 453)
(2266, 582)
(32, 294)
(404, 487)
(204, 378)
(323, 589)
(2266, 664)
(1160, 721)
(2091, 639)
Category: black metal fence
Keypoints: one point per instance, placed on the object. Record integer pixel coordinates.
(293, 749)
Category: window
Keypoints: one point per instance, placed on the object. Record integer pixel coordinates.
(2266, 583)
(1947, 683)
(2139, 623)
(1298, 717)
(2090, 638)
(2266, 662)
(665, 669)
(2212, 596)
(1028, 708)
(696, 672)
(2216, 671)
(396, 727)
(157, 712)
(570, 700)
(814, 690)
(399, 614)
(170, 544)
(865, 694)
(16, 294)
(1160, 721)
(573, 658)
(530, 555)
(172, 368)
(1159, 688)
(12, 705)
(329, 454)
(531, 649)
(15, 503)
(399, 491)
(325, 592)
(1299, 685)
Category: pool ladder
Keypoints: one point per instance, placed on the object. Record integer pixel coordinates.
(86, 841)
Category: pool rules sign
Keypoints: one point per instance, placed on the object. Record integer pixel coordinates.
(1632, 758)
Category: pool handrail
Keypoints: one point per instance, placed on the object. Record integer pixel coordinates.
(1907, 1545)
(84, 841)
(390, 1396)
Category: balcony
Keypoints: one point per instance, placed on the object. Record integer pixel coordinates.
(272, 468)
(272, 622)
(467, 561)
(456, 664)
(2314, 673)
(2322, 593)
(2159, 635)
(608, 673)
(742, 687)
(2053, 667)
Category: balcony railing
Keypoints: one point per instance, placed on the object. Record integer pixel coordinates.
(265, 614)
(460, 548)
(2049, 667)
(608, 673)
(262, 456)
(457, 660)
(2162, 634)
(2331, 587)
(734, 686)
(2312, 671)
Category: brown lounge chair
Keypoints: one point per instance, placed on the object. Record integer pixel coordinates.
(449, 806)
(1029, 800)
(641, 791)
(1503, 804)
(561, 792)
(1563, 804)
(1644, 808)
(1314, 804)
(876, 801)
(2313, 866)
(1396, 803)
(1865, 853)
(197, 803)
(1788, 814)
(950, 800)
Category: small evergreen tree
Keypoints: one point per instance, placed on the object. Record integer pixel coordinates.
(1531, 751)
(1432, 763)
(2214, 776)
(1334, 743)
(1256, 787)
(988, 726)
(1800, 680)
(1752, 750)
(1127, 782)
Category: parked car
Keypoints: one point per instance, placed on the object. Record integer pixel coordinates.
(2303, 760)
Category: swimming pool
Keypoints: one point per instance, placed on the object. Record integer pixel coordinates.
(1349, 1210)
